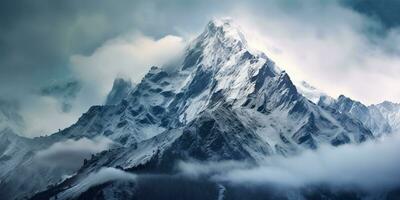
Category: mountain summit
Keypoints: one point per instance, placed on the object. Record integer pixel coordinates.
(224, 101)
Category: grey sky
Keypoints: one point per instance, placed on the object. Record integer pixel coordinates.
(45, 44)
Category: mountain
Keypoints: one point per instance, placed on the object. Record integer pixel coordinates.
(370, 116)
(222, 101)
(219, 71)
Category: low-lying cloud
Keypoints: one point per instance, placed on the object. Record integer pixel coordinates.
(368, 169)
(70, 154)
(373, 165)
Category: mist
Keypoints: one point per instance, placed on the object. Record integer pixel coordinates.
(70, 154)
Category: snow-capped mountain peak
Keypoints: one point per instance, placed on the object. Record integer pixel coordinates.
(226, 30)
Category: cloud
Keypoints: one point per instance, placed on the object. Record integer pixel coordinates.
(104, 175)
(10, 117)
(339, 55)
(43, 116)
(70, 154)
(384, 11)
(65, 92)
(128, 56)
(371, 166)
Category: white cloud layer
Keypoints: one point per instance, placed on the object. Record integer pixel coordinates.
(373, 165)
(43, 116)
(70, 154)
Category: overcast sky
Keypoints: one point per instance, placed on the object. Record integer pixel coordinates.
(57, 58)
